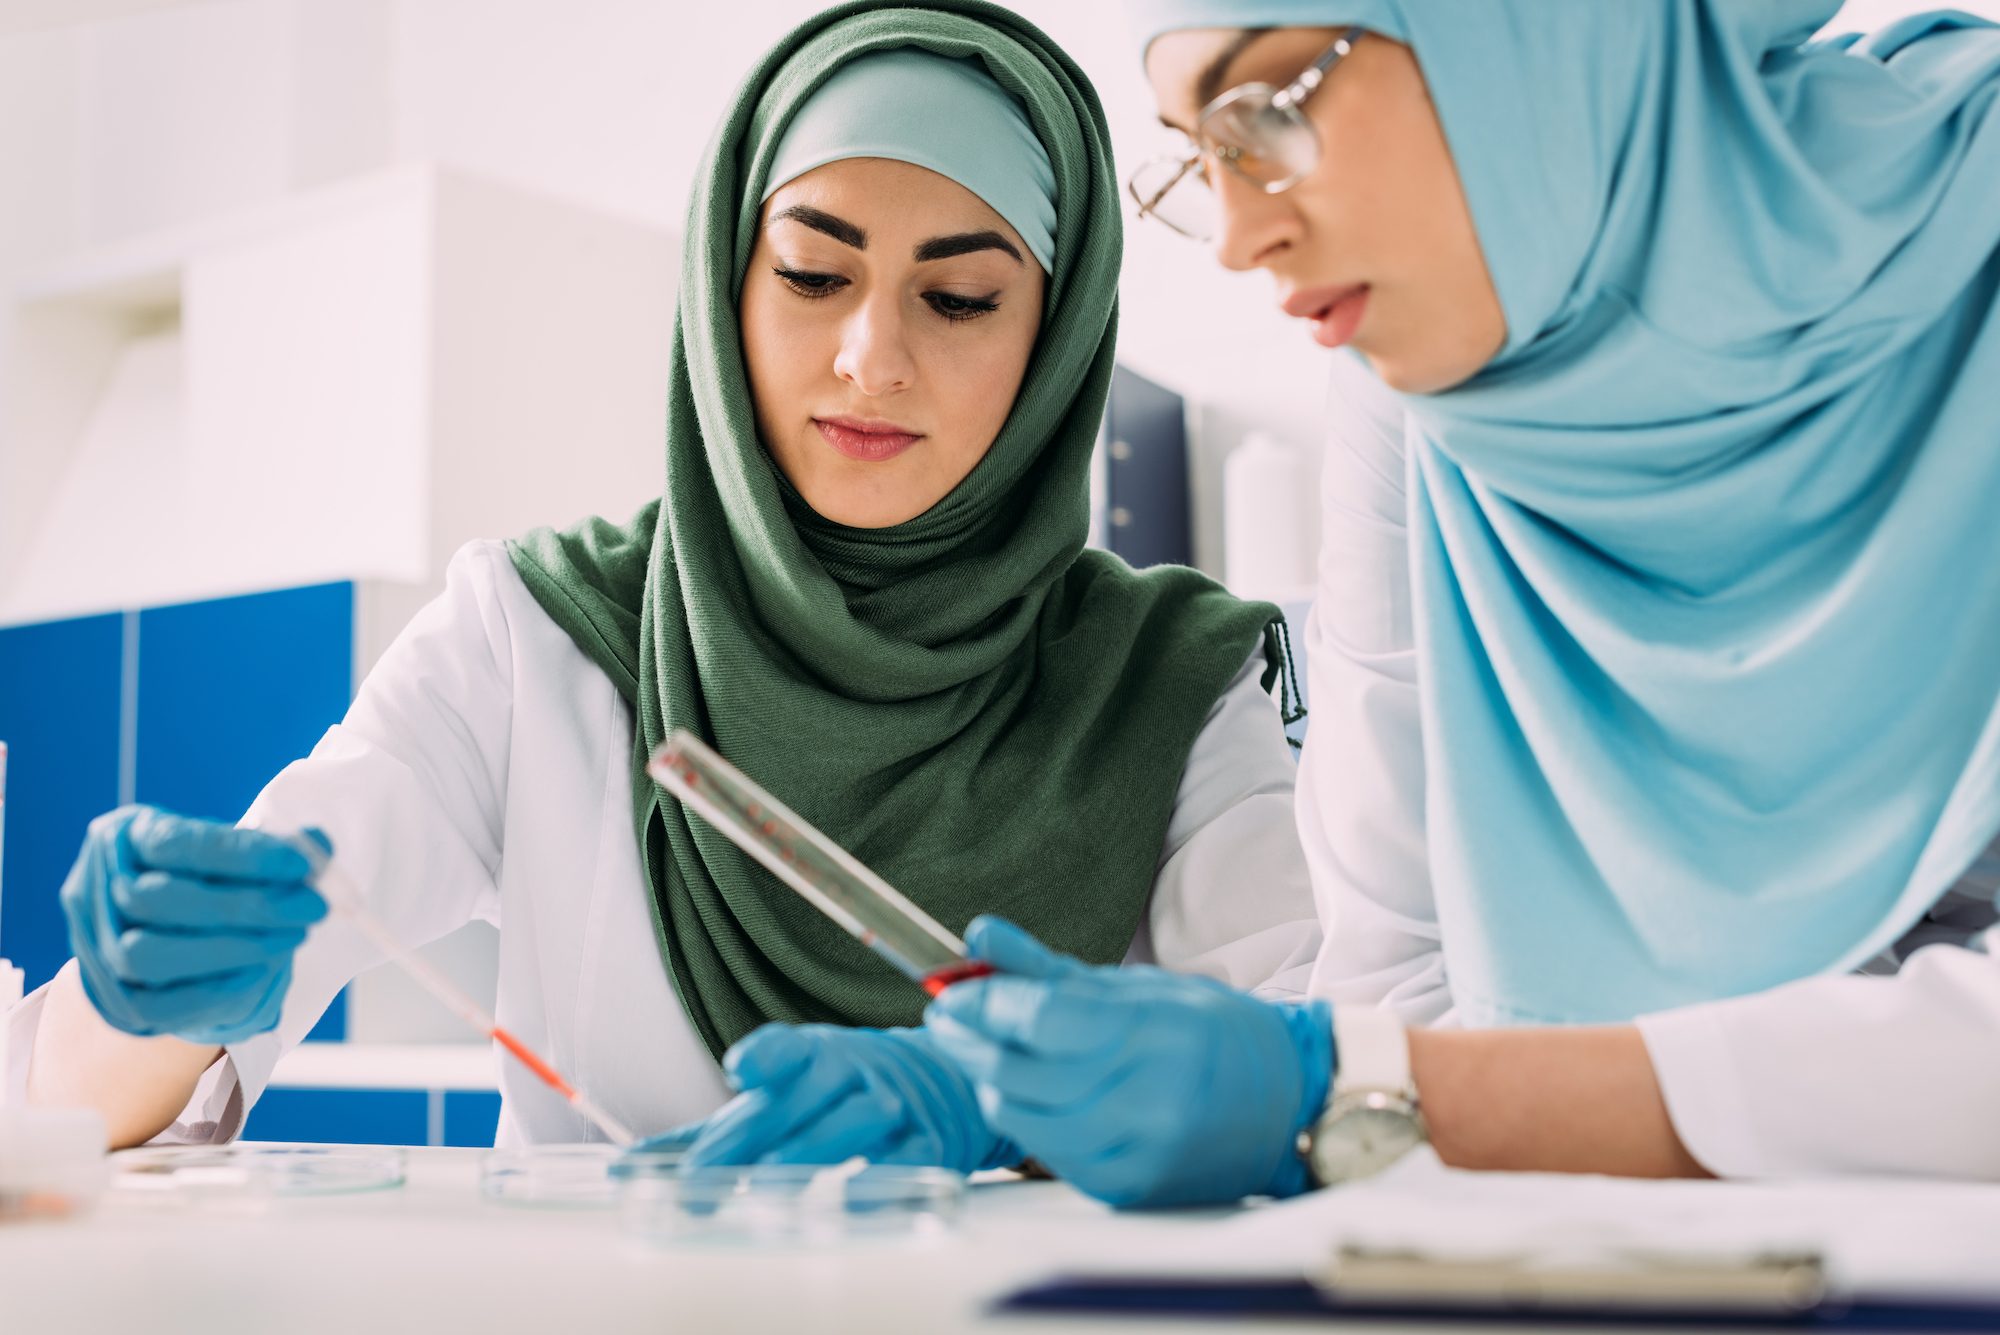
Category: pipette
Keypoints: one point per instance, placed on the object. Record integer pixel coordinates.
(344, 898)
(871, 910)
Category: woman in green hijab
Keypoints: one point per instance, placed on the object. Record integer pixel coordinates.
(865, 583)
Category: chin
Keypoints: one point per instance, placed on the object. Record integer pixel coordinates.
(1408, 376)
(1401, 376)
(851, 512)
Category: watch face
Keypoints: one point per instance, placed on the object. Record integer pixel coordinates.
(1364, 1140)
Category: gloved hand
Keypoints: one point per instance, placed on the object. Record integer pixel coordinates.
(822, 1094)
(1139, 1086)
(187, 927)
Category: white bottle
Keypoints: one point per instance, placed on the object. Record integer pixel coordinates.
(12, 979)
(11, 982)
(51, 1159)
(1269, 520)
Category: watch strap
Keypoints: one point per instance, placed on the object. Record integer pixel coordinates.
(1371, 1051)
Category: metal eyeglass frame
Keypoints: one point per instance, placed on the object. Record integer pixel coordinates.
(1286, 101)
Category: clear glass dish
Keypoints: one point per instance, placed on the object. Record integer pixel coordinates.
(787, 1204)
(238, 1171)
(562, 1175)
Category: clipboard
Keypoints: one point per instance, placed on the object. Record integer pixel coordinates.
(1779, 1290)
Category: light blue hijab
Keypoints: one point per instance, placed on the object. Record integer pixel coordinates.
(1707, 563)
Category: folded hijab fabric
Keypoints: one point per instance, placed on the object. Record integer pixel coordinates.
(1707, 562)
(988, 714)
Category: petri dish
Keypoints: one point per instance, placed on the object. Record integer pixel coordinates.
(256, 1171)
(563, 1175)
(790, 1204)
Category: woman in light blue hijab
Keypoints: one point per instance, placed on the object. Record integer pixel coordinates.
(1656, 666)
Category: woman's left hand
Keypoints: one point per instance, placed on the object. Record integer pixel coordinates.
(1138, 1086)
(821, 1094)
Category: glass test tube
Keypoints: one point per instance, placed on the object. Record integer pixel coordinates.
(871, 910)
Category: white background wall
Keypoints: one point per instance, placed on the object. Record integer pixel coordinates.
(122, 117)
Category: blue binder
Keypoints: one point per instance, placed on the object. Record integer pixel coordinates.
(1145, 509)
(1236, 1298)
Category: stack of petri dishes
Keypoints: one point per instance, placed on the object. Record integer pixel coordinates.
(252, 1172)
(562, 1176)
(790, 1205)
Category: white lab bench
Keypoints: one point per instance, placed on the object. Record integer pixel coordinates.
(434, 1256)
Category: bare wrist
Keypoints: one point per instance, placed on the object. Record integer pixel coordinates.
(1582, 1100)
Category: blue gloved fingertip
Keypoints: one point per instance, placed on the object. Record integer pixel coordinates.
(313, 845)
(1013, 949)
(664, 1150)
(959, 1001)
(765, 1055)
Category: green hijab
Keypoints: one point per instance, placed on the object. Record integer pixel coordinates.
(992, 717)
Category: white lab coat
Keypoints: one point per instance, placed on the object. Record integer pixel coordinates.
(1826, 1075)
(484, 773)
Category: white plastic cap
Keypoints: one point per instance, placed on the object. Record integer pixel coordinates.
(51, 1159)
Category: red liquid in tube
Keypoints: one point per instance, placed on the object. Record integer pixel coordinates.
(938, 981)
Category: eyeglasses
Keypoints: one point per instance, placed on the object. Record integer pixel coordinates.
(1254, 130)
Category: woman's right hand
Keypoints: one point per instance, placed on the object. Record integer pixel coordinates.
(822, 1094)
(187, 927)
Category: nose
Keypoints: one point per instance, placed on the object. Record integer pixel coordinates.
(1251, 227)
(874, 347)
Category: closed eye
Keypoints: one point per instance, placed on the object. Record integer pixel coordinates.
(810, 284)
(954, 307)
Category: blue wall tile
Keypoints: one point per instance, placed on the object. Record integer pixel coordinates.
(341, 1116)
(471, 1116)
(59, 688)
(233, 690)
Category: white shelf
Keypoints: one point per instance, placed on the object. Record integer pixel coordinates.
(342, 385)
(450, 1066)
(145, 271)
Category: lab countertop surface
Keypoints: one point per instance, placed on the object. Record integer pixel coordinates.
(435, 1256)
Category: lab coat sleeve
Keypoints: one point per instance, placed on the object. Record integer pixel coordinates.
(1361, 778)
(411, 787)
(1843, 1074)
(1231, 898)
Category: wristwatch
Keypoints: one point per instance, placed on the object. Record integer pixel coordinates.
(1371, 1118)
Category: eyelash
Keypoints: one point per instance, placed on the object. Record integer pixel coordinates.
(948, 305)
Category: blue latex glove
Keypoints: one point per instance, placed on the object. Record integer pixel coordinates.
(1139, 1086)
(187, 927)
(822, 1094)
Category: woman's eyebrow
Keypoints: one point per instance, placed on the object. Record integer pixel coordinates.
(964, 243)
(1208, 84)
(839, 229)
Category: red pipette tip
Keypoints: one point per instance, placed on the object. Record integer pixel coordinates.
(528, 1059)
(938, 981)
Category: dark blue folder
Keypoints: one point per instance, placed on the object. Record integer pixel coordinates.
(1295, 1299)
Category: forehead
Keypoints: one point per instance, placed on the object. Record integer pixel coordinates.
(1177, 61)
(891, 198)
(1190, 67)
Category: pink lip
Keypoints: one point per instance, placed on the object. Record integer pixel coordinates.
(1335, 312)
(868, 440)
